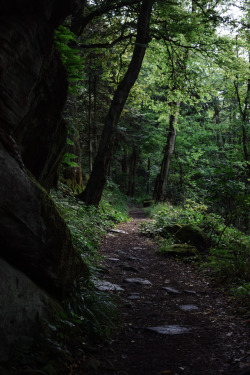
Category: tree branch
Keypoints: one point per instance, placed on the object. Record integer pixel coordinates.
(106, 45)
(99, 12)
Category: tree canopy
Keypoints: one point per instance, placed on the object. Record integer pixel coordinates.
(193, 83)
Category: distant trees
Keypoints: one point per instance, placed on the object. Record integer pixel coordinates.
(166, 127)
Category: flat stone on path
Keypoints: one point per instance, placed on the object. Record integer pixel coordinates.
(134, 296)
(188, 307)
(106, 286)
(118, 231)
(138, 280)
(133, 259)
(171, 290)
(113, 259)
(188, 291)
(126, 267)
(170, 329)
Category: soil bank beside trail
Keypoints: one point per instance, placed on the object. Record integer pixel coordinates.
(199, 330)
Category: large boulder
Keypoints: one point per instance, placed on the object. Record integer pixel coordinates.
(193, 235)
(22, 304)
(187, 234)
(33, 236)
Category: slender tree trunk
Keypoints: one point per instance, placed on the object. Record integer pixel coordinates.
(244, 110)
(132, 173)
(124, 162)
(148, 177)
(93, 192)
(162, 178)
(181, 175)
(90, 128)
(94, 143)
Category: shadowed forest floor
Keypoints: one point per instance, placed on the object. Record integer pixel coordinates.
(175, 296)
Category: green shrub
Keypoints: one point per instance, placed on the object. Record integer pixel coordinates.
(228, 260)
(91, 311)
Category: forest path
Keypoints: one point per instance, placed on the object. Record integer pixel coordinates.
(171, 294)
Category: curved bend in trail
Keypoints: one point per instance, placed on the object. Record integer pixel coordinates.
(174, 322)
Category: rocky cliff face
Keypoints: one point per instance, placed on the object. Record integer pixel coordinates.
(34, 239)
(42, 133)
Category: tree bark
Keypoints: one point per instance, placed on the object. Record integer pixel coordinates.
(90, 127)
(93, 192)
(132, 173)
(162, 178)
(148, 177)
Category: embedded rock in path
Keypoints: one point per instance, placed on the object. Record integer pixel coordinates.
(134, 296)
(106, 286)
(133, 259)
(188, 291)
(171, 290)
(126, 267)
(138, 281)
(113, 259)
(188, 307)
(170, 329)
(118, 231)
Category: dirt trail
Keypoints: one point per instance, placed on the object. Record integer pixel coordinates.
(213, 340)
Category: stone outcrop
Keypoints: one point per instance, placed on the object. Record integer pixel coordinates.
(34, 239)
(42, 134)
(193, 235)
(187, 234)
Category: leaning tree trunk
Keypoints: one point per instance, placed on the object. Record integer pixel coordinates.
(93, 192)
(162, 178)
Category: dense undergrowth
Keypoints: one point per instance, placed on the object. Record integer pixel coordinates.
(89, 224)
(228, 257)
(93, 311)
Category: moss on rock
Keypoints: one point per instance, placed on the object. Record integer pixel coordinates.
(67, 262)
(193, 235)
(171, 229)
(180, 250)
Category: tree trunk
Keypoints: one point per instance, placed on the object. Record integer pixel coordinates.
(90, 128)
(124, 162)
(148, 177)
(132, 173)
(162, 178)
(93, 192)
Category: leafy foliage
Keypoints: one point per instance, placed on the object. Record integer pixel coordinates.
(89, 224)
(71, 57)
(228, 260)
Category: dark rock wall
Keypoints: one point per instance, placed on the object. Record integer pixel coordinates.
(34, 239)
(42, 133)
(33, 84)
